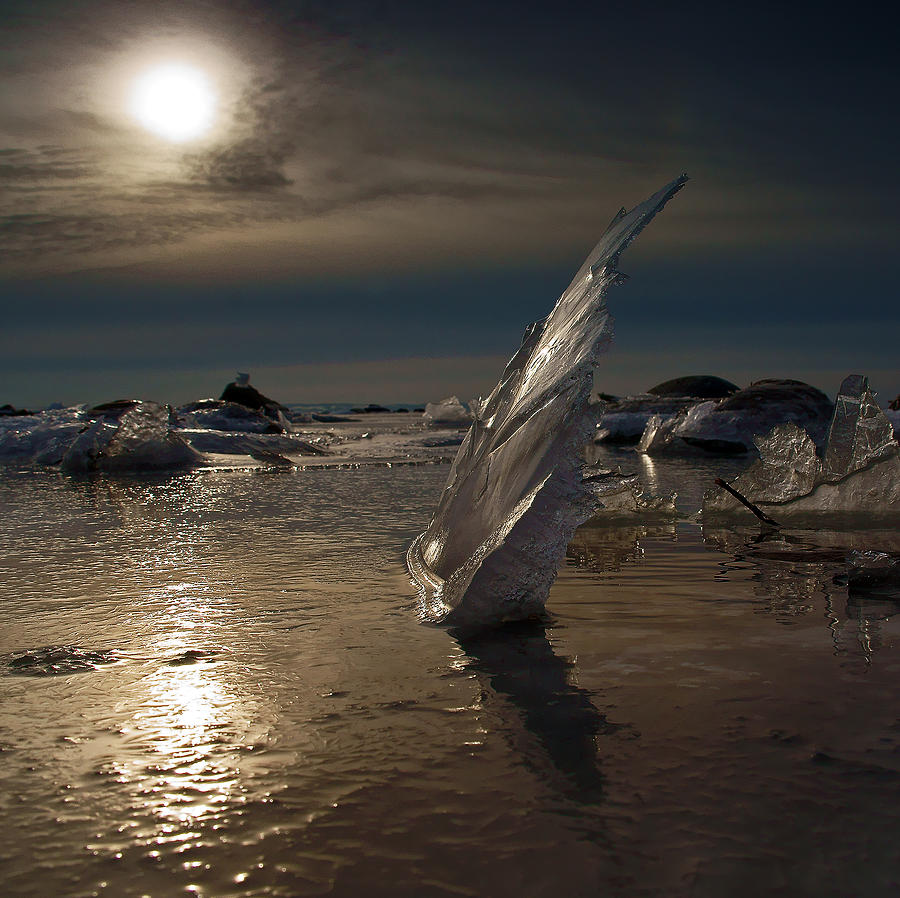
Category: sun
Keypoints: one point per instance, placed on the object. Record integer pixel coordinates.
(175, 101)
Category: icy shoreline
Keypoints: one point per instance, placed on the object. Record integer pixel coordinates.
(46, 439)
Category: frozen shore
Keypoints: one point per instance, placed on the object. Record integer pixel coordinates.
(78, 439)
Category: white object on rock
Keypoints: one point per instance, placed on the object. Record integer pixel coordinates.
(516, 490)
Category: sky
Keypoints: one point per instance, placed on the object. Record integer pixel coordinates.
(389, 192)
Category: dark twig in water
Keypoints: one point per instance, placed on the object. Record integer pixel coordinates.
(744, 501)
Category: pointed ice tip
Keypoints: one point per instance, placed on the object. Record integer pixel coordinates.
(516, 493)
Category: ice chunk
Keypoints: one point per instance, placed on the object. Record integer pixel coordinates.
(662, 434)
(787, 467)
(860, 475)
(516, 490)
(619, 496)
(224, 443)
(140, 440)
(859, 433)
(730, 426)
(217, 414)
(448, 412)
(625, 420)
(87, 448)
(40, 439)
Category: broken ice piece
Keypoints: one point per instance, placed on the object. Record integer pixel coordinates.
(515, 493)
(448, 412)
(619, 496)
(859, 433)
(860, 475)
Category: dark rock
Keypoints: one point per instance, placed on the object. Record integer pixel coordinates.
(370, 409)
(114, 410)
(717, 447)
(401, 411)
(191, 656)
(894, 404)
(201, 405)
(250, 397)
(697, 386)
(8, 411)
(57, 660)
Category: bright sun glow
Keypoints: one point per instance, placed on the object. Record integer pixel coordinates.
(175, 101)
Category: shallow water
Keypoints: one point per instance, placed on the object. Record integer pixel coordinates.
(253, 707)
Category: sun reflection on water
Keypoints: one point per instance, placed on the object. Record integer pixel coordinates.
(187, 716)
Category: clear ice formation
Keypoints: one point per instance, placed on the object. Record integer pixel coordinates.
(139, 440)
(858, 475)
(447, 412)
(517, 491)
(619, 497)
(728, 426)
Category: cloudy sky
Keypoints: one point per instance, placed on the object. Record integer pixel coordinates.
(388, 192)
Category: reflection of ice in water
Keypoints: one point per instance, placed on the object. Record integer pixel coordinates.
(798, 572)
(650, 476)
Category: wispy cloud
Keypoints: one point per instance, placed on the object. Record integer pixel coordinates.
(536, 120)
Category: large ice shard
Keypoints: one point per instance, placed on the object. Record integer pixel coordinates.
(860, 433)
(516, 491)
(859, 476)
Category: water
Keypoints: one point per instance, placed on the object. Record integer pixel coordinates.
(254, 709)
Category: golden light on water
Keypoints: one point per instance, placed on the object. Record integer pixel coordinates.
(175, 101)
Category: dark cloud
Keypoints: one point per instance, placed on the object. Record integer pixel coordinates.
(352, 105)
(493, 140)
(250, 164)
(21, 166)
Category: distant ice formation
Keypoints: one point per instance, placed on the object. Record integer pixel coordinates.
(517, 490)
(625, 420)
(447, 412)
(857, 475)
(729, 426)
(139, 440)
(217, 414)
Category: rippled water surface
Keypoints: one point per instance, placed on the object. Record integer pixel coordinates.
(217, 684)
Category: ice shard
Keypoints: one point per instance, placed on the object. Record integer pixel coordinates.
(517, 491)
(859, 433)
(859, 476)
